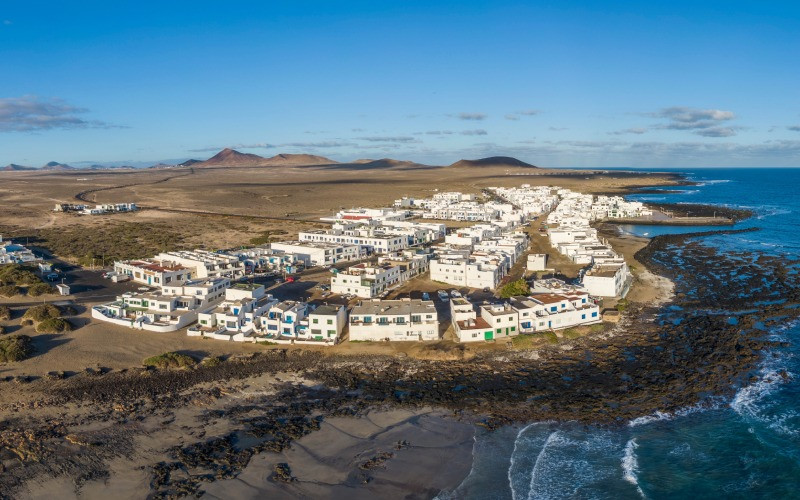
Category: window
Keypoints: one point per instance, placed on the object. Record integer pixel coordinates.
(315, 321)
(594, 314)
(583, 316)
(499, 330)
(330, 321)
(513, 328)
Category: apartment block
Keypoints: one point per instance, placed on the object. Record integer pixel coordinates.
(394, 320)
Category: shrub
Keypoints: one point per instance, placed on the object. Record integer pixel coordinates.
(9, 290)
(622, 305)
(519, 287)
(212, 361)
(5, 313)
(170, 360)
(53, 325)
(40, 289)
(2, 329)
(15, 348)
(551, 337)
(16, 274)
(42, 312)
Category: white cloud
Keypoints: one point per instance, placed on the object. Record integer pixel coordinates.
(29, 113)
(470, 116)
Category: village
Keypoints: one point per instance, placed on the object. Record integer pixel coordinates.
(455, 266)
(447, 267)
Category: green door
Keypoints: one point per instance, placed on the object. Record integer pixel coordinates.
(488, 335)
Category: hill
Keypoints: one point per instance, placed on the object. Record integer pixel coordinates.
(285, 159)
(189, 163)
(493, 161)
(12, 167)
(230, 158)
(389, 163)
(54, 165)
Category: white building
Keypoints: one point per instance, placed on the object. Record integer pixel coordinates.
(205, 264)
(154, 272)
(237, 316)
(12, 253)
(318, 253)
(475, 271)
(369, 281)
(364, 280)
(284, 321)
(551, 311)
(326, 323)
(467, 326)
(368, 241)
(395, 320)
(263, 259)
(608, 280)
(172, 308)
(537, 262)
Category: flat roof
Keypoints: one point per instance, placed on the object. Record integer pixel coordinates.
(479, 324)
(326, 310)
(394, 307)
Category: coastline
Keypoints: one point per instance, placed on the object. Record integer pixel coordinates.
(345, 391)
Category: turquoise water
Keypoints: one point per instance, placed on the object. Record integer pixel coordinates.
(747, 446)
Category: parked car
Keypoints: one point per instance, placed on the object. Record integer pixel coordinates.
(442, 295)
(455, 293)
(52, 276)
(426, 296)
(290, 279)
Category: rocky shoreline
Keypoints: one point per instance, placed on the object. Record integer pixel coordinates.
(658, 359)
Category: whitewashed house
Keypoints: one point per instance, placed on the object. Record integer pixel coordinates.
(502, 318)
(237, 316)
(394, 320)
(467, 326)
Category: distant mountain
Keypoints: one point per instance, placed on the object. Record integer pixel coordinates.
(384, 163)
(493, 161)
(189, 163)
(230, 158)
(14, 168)
(286, 159)
(54, 165)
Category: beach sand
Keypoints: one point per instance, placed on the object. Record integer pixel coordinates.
(435, 455)
(326, 463)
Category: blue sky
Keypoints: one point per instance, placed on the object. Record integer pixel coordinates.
(554, 83)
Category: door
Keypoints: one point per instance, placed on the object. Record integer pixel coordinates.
(488, 335)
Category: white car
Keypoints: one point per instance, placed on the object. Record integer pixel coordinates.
(455, 294)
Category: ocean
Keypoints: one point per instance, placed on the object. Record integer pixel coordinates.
(744, 446)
